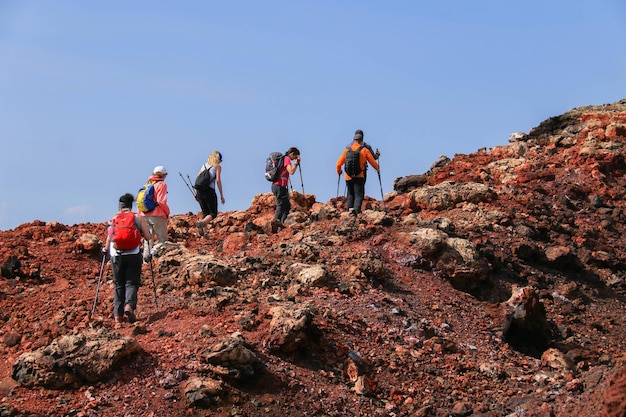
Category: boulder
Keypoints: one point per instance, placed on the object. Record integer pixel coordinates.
(74, 360)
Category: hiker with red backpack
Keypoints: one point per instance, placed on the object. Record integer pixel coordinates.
(284, 167)
(209, 176)
(152, 205)
(354, 160)
(123, 243)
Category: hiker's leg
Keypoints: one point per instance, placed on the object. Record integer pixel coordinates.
(119, 282)
(212, 200)
(282, 201)
(209, 206)
(286, 206)
(350, 200)
(204, 206)
(133, 279)
(160, 228)
(276, 192)
(148, 244)
(359, 193)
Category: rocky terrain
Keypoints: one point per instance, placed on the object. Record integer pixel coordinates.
(492, 285)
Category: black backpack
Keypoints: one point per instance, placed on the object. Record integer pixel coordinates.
(204, 179)
(353, 163)
(273, 164)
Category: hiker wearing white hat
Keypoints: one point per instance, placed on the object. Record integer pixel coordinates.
(157, 217)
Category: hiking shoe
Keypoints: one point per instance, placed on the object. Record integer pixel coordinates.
(119, 319)
(130, 314)
(200, 228)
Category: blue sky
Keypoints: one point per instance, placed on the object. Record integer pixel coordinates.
(93, 95)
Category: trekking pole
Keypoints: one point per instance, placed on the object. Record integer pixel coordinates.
(381, 186)
(95, 301)
(156, 302)
(301, 182)
(338, 181)
(381, 191)
(187, 184)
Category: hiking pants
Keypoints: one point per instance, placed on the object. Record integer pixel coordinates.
(356, 193)
(127, 278)
(283, 205)
(158, 226)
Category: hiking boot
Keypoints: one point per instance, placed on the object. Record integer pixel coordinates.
(275, 225)
(352, 211)
(200, 228)
(119, 319)
(130, 314)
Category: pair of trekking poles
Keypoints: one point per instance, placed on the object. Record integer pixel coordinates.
(382, 195)
(95, 301)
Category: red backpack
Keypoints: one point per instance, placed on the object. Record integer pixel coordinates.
(126, 236)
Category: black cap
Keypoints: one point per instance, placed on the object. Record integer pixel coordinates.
(126, 201)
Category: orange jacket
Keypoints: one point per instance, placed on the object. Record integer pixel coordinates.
(160, 196)
(365, 156)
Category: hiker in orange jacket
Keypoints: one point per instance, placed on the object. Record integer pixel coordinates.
(157, 218)
(356, 183)
(376, 154)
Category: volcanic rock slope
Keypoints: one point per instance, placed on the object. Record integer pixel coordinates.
(492, 285)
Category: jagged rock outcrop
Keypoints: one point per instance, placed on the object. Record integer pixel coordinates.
(526, 326)
(290, 327)
(74, 360)
(231, 353)
(447, 195)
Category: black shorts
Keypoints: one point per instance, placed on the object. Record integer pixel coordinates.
(208, 202)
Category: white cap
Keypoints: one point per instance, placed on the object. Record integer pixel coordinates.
(159, 170)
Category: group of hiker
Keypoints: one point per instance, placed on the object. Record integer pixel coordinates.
(353, 160)
(127, 228)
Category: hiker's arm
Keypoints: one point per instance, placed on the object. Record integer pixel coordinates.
(218, 181)
(369, 148)
(372, 161)
(160, 190)
(291, 168)
(107, 241)
(341, 161)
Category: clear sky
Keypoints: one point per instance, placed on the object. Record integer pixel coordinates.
(94, 94)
